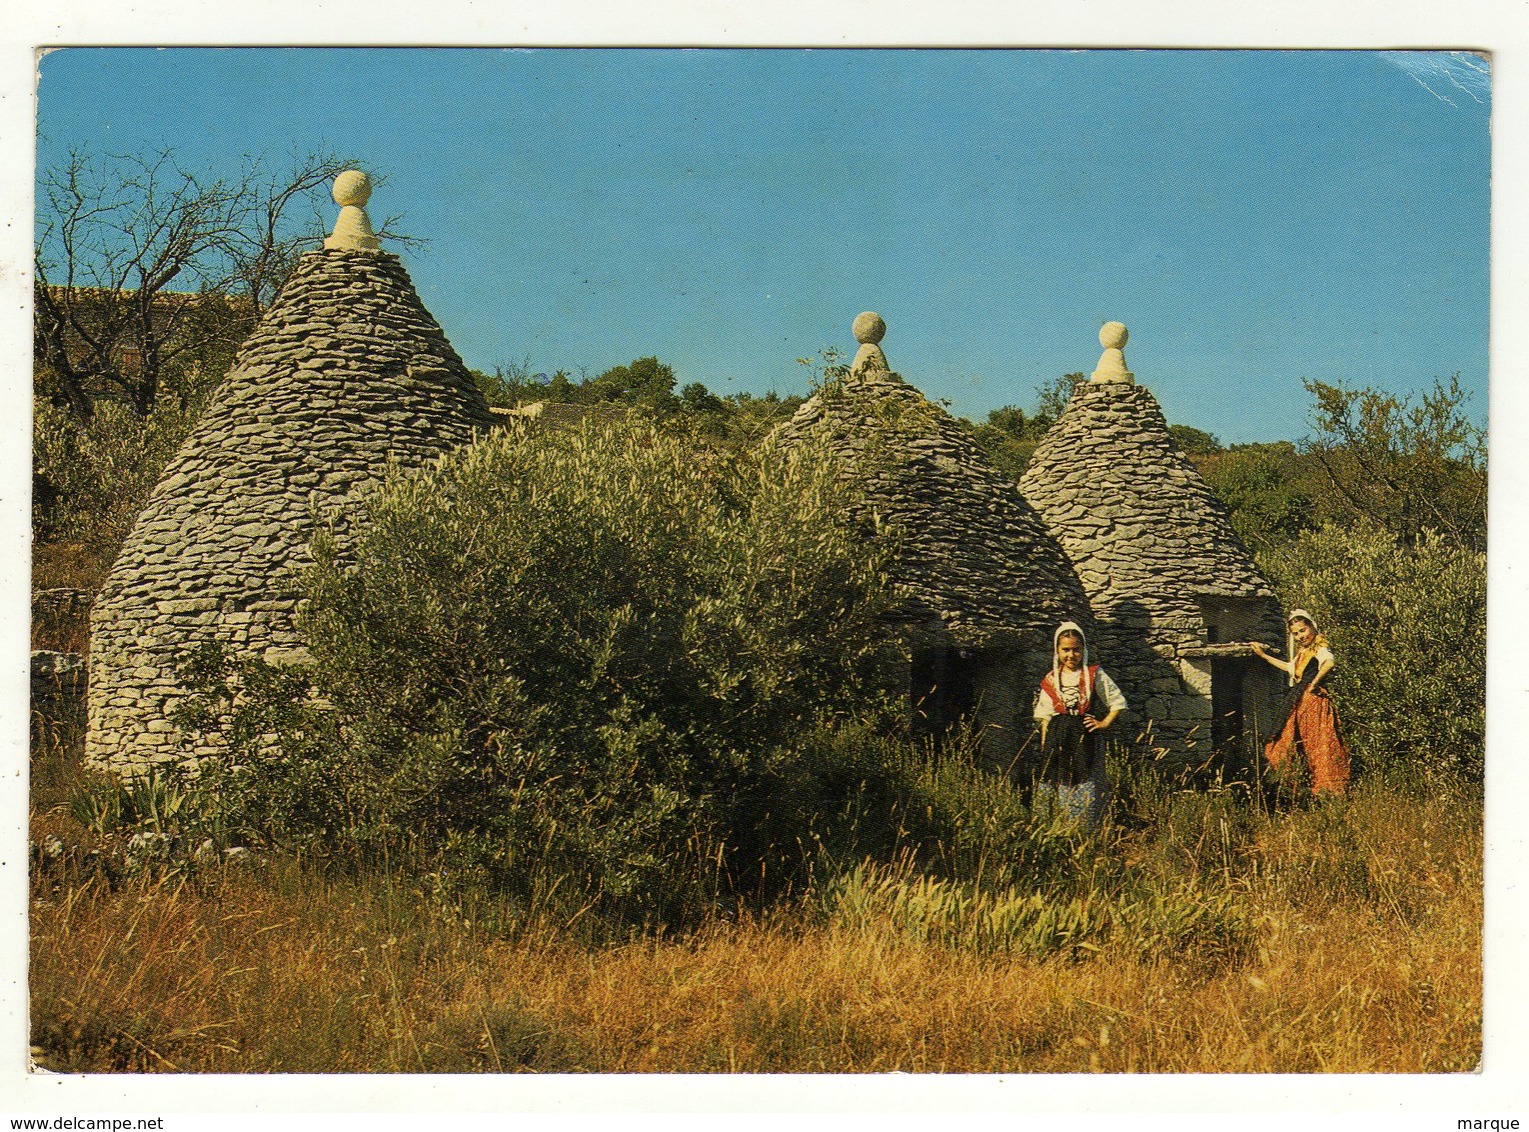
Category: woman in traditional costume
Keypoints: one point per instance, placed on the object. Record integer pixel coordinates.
(1310, 723)
(1077, 701)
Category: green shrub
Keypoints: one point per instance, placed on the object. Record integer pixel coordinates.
(1408, 627)
(90, 479)
(1173, 921)
(962, 917)
(978, 826)
(1268, 488)
(584, 658)
(860, 793)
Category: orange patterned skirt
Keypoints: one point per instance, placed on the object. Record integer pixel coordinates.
(1312, 732)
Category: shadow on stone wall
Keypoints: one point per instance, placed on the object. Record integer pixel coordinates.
(1166, 721)
(985, 697)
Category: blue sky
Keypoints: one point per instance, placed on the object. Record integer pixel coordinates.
(1254, 217)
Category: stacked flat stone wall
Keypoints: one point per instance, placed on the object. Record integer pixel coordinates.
(61, 604)
(974, 553)
(1155, 551)
(60, 621)
(346, 373)
(57, 684)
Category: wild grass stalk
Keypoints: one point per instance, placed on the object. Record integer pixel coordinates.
(1200, 934)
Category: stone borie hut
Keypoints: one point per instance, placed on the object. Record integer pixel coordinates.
(987, 583)
(346, 371)
(1173, 590)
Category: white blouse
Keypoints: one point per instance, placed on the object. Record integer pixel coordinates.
(1069, 688)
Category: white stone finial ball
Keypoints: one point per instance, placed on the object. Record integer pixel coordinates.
(1113, 336)
(352, 187)
(869, 327)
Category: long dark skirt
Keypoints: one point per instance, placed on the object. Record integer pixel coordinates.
(1072, 782)
(1292, 700)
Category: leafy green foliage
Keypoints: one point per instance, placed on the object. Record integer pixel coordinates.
(645, 381)
(646, 385)
(1376, 457)
(1051, 398)
(1270, 490)
(1409, 466)
(1009, 438)
(738, 421)
(696, 398)
(584, 659)
(1050, 893)
(1408, 625)
(91, 478)
(1193, 441)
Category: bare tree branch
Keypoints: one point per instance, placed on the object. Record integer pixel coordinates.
(1409, 466)
(136, 255)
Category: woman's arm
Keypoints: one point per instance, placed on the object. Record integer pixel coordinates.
(1322, 670)
(1258, 650)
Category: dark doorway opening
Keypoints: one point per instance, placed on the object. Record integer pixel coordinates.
(1226, 699)
(942, 689)
(1233, 730)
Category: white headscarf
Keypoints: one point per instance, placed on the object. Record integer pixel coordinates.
(1293, 649)
(1084, 688)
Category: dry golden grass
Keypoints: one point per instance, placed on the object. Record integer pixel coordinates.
(1365, 957)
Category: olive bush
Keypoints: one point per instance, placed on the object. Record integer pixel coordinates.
(584, 658)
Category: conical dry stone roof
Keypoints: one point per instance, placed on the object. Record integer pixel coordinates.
(346, 372)
(1132, 512)
(974, 553)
